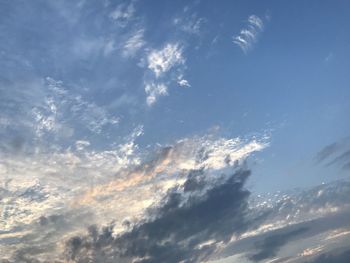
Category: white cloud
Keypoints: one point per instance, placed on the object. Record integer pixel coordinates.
(166, 66)
(123, 13)
(189, 23)
(109, 47)
(46, 182)
(153, 91)
(256, 21)
(74, 108)
(81, 145)
(133, 44)
(183, 83)
(161, 61)
(108, 185)
(248, 36)
(213, 153)
(60, 111)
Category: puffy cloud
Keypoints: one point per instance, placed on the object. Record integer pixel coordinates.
(183, 83)
(154, 90)
(161, 61)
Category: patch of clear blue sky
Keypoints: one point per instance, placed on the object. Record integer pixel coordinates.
(294, 80)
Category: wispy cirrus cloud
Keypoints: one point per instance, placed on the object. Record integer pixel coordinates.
(123, 13)
(249, 34)
(134, 44)
(52, 115)
(189, 23)
(337, 153)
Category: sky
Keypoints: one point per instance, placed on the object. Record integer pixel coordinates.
(174, 131)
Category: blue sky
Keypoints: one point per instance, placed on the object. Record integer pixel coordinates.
(103, 101)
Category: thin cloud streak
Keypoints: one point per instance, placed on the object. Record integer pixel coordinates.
(248, 35)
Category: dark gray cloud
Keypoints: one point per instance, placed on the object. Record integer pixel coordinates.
(346, 166)
(327, 151)
(339, 257)
(314, 209)
(337, 153)
(342, 160)
(177, 228)
(269, 246)
(40, 240)
(202, 212)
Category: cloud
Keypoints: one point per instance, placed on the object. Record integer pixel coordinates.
(84, 186)
(192, 222)
(332, 257)
(248, 36)
(38, 183)
(187, 225)
(171, 206)
(290, 241)
(166, 169)
(62, 106)
(134, 44)
(161, 61)
(183, 82)
(123, 13)
(342, 159)
(337, 153)
(327, 151)
(51, 114)
(87, 48)
(269, 246)
(190, 24)
(292, 222)
(176, 229)
(153, 91)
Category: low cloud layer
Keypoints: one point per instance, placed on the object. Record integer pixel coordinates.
(79, 186)
(269, 246)
(186, 226)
